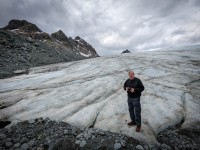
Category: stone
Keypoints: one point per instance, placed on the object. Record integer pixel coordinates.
(31, 143)
(2, 136)
(123, 142)
(146, 147)
(23, 140)
(40, 148)
(36, 44)
(16, 140)
(139, 147)
(83, 143)
(117, 146)
(176, 148)
(31, 121)
(79, 136)
(102, 133)
(165, 146)
(91, 132)
(78, 142)
(9, 139)
(74, 130)
(30, 40)
(24, 146)
(86, 136)
(16, 145)
(9, 144)
(102, 140)
(65, 131)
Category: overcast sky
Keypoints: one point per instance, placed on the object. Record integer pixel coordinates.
(112, 26)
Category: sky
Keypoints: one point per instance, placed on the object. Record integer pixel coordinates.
(112, 26)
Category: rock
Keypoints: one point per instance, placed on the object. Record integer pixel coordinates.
(16, 145)
(65, 131)
(83, 143)
(23, 140)
(166, 147)
(31, 143)
(40, 148)
(2, 136)
(9, 144)
(74, 130)
(117, 146)
(101, 133)
(78, 142)
(90, 132)
(102, 140)
(9, 139)
(16, 140)
(123, 142)
(139, 147)
(86, 136)
(146, 147)
(79, 135)
(30, 40)
(36, 44)
(176, 148)
(31, 121)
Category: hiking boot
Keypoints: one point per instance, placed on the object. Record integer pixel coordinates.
(138, 128)
(131, 123)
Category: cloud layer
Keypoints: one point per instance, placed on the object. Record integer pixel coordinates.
(112, 26)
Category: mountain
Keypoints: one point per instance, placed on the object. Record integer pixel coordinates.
(24, 45)
(22, 25)
(60, 36)
(126, 51)
(89, 93)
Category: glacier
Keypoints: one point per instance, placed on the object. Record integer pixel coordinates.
(89, 93)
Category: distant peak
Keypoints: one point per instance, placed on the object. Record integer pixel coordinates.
(126, 51)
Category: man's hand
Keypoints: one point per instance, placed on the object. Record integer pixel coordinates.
(127, 88)
(132, 90)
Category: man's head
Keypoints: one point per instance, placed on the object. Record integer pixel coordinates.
(131, 74)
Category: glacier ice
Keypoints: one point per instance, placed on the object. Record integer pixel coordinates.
(89, 93)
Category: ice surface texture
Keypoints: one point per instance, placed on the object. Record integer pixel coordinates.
(90, 93)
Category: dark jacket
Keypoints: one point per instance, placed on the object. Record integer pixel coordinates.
(136, 84)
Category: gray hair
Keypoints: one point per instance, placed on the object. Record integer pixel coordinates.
(131, 71)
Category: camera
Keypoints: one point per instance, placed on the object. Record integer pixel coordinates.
(129, 88)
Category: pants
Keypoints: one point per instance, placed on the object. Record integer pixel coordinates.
(135, 110)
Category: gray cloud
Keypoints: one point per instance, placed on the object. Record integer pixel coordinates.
(111, 26)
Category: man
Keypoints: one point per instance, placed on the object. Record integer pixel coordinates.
(134, 87)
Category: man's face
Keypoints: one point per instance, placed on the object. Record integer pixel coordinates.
(131, 75)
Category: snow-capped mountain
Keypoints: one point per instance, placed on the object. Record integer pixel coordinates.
(90, 93)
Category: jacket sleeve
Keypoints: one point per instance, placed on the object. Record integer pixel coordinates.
(125, 85)
(140, 86)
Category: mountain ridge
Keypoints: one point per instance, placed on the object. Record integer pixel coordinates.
(24, 45)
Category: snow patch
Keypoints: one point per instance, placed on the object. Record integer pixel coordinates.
(85, 55)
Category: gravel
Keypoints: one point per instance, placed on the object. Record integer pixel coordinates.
(177, 138)
(43, 133)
